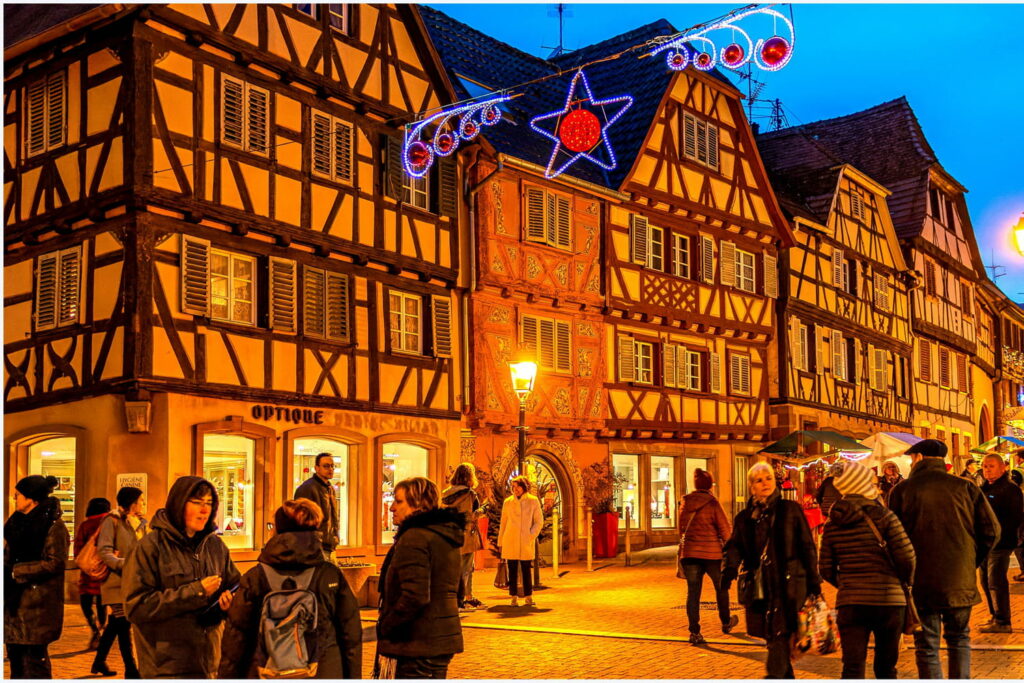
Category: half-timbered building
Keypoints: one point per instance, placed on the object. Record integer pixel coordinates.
(928, 211)
(214, 264)
(645, 291)
(1008, 402)
(846, 352)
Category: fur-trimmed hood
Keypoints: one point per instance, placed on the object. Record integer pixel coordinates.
(448, 523)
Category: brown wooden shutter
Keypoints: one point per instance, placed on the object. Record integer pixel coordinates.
(670, 364)
(321, 144)
(712, 146)
(337, 308)
(393, 170)
(528, 335)
(794, 342)
(448, 187)
(881, 292)
(929, 278)
(35, 117)
(702, 141)
(837, 268)
(735, 372)
(882, 368)
(563, 346)
(639, 237)
(56, 110)
(872, 372)
(689, 136)
(535, 228)
(546, 343)
(961, 372)
(195, 275)
(771, 276)
(343, 151)
(46, 291)
(70, 290)
(314, 294)
(257, 120)
(715, 372)
(707, 259)
(819, 357)
(925, 354)
(857, 366)
(838, 357)
(627, 359)
(727, 262)
(944, 368)
(232, 111)
(282, 294)
(441, 314)
(563, 224)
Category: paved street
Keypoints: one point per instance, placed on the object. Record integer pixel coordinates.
(615, 622)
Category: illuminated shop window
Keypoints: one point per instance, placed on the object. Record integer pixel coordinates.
(628, 467)
(663, 492)
(305, 452)
(56, 457)
(400, 461)
(229, 464)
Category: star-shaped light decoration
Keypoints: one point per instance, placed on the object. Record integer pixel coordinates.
(581, 128)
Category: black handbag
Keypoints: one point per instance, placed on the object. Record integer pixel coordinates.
(501, 576)
(750, 584)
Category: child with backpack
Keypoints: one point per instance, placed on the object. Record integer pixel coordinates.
(293, 596)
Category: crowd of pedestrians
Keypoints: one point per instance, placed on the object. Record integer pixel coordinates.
(170, 587)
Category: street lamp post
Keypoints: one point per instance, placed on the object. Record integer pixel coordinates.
(524, 373)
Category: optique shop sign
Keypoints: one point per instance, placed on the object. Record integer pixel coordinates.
(284, 414)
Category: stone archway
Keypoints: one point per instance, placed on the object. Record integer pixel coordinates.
(985, 426)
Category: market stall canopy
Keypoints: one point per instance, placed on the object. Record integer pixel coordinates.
(890, 446)
(797, 442)
(994, 444)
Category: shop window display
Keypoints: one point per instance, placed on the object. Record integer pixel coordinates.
(305, 452)
(663, 492)
(56, 457)
(400, 461)
(229, 464)
(628, 468)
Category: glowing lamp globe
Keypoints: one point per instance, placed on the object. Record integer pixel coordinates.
(703, 61)
(733, 55)
(775, 50)
(418, 155)
(524, 374)
(580, 130)
(1018, 235)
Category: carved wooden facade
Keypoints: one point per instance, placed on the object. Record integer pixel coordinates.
(846, 352)
(216, 210)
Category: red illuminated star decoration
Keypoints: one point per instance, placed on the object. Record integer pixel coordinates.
(581, 128)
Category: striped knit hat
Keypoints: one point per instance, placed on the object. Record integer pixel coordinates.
(857, 480)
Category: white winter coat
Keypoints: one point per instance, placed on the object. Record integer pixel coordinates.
(521, 522)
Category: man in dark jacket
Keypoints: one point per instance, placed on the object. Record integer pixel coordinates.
(35, 550)
(294, 548)
(418, 630)
(1007, 502)
(172, 585)
(1017, 477)
(319, 490)
(952, 528)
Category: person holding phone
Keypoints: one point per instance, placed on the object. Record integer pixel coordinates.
(175, 585)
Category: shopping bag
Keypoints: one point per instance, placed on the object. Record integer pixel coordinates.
(817, 632)
(501, 576)
(90, 562)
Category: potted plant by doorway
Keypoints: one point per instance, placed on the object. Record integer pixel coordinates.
(599, 486)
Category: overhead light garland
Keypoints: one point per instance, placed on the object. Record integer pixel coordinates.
(581, 130)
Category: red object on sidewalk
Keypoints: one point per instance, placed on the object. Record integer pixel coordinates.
(606, 534)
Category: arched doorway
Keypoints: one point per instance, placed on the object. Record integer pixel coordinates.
(985, 426)
(549, 489)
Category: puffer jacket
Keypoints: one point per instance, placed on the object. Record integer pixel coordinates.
(176, 626)
(851, 559)
(1007, 501)
(464, 500)
(116, 542)
(827, 494)
(35, 553)
(87, 585)
(708, 529)
(339, 632)
(952, 528)
(419, 615)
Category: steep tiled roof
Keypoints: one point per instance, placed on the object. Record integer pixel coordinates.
(885, 142)
(466, 52)
(22, 22)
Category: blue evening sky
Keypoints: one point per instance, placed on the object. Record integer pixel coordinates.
(961, 67)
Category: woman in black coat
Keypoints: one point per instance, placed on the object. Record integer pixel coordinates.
(418, 631)
(295, 547)
(776, 529)
(35, 550)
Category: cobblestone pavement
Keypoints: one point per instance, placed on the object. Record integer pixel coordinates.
(614, 622)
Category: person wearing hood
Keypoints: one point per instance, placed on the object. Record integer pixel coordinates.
(461, 495)
(88, 587)
(177, 585)
(35, 549)
(827, 494)
(704, 529)
(120, 533)
(418, 630)
(952, 528)
(294, 548)
(871, 598)
(776, 530)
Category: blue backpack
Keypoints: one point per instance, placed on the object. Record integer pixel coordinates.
(288, 644)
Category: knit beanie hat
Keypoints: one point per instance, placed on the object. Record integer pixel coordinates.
(702, 480)
(857, 480)
(36, 487)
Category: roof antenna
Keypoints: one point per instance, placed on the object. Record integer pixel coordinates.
(997, 270)
(562, 12)
(778, 119)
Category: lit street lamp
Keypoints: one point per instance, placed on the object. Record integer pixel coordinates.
(1018, 235)
(523, 375)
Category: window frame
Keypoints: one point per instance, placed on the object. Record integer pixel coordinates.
(638, 368)
(245, 144)
(745, 281)
(47, 114)
(705, 141)
(682, 267)
(404, 334)
(333, 143)
(253, 285)
(61, 278)
(416, 191)
(744, 365)
(559, 328)
(693, 360)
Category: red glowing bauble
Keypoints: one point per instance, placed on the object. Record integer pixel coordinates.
(733, 55)
(580, 130)
(490, 114)
(419, 154)
(775, 50)
(469, 130)
(678, 60)
(445, 142)
(703, 60)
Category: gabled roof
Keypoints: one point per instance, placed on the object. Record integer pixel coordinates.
(24, 21)
(885, 142)
(468, 53)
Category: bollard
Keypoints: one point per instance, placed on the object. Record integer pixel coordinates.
(557, 537)
(627, 537)
(590, 542)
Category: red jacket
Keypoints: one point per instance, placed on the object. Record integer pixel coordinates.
(86, 530)
(709, 528)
